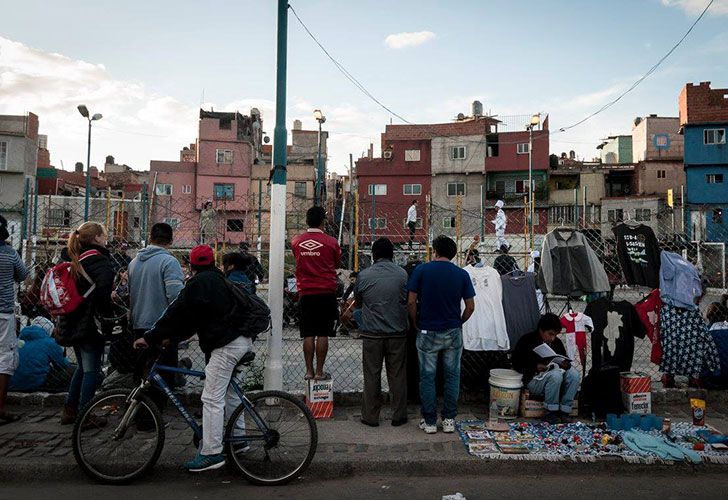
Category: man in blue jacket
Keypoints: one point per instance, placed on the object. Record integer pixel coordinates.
(42, 366)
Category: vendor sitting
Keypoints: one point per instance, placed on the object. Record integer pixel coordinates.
(556, 382)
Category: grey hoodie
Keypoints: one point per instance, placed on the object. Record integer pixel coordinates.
(155, 280)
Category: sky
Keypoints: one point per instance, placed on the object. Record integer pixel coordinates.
(148, 66)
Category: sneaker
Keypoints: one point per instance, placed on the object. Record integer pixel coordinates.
(205, 462)
(448, 425)
(429, 429)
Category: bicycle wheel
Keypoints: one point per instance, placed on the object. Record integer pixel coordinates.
(112, 454)
(284, 457)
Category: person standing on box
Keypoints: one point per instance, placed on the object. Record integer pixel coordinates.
(317, 256)
(381, 293)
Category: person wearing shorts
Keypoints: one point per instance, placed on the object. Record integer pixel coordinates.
(317, 256)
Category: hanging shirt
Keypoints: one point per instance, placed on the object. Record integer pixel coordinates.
(486, 328)
(412, 214)
(639, 254)
(679, 281)
(576, 326)
(616, 324)
(520, 305)
(648, 311)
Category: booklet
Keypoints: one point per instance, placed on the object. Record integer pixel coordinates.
(545, 351)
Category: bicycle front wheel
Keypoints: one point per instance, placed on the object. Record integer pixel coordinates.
(290, 447)
(116, 441)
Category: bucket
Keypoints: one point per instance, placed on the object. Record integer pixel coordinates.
(505, 390)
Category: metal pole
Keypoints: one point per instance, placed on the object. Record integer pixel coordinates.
(352, 207)
(530, 186)
(273, 377)
(319, 170)
(428, 218)
(458, 227)
(682, 207)
(88, 174)
(26, 201)
(373, 222)
(143, 235)
(583, 202)
(35, 208)
(341, 219)
(482, 214)
(576, 208)
(260, 215)
(356, 230)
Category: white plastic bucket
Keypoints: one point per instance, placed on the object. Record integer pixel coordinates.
(505, 390)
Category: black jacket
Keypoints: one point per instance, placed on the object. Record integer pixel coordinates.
(203, 307)
(525, 360)
(80, 326)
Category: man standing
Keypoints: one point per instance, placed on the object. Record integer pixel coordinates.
(12, 271)
(381, 293)
(440, 287)
(412, 221)
(317, 256)
(500, 226)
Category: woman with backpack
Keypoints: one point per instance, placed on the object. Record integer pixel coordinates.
(92, 270)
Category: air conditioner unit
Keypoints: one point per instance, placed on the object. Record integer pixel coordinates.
(387, 154)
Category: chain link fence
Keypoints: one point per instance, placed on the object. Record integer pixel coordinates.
(40, 228)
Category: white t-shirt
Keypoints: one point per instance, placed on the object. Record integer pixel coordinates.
(486, 328)
(412, 214)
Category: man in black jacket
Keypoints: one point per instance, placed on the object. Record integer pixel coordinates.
(203, 307)
(556, 382)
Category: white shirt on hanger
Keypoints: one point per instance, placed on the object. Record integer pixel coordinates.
(486, 328)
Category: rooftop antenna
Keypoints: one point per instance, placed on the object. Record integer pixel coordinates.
(202, 97)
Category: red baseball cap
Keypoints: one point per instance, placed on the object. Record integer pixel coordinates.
(202, 255)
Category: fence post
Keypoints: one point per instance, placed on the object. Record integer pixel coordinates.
(428, 225)
(26, 201)
(373, 221)
(35, 208)
(583, 202)
(482, 213)
(356, 230)
(458, 226)
(682, 207)
(108, 209)
(143, 218)
(576, 208)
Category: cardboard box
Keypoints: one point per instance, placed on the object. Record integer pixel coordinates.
(533, 408)
(320, 398)
(640, 402)
(635, 382)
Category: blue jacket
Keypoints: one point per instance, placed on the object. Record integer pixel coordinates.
(679, 281)
(155, 280)
(36, 354)
(242, 279)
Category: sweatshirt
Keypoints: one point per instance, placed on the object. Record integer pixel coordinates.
(37, 353)
(155, 280)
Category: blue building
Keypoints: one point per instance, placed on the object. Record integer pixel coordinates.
(704, 121)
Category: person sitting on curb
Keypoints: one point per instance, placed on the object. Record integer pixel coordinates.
(42, 366)
(557, 384)
(204, 307)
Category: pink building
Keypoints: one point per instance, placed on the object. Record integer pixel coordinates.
(205, 194)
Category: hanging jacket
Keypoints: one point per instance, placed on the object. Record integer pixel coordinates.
(679, 281)
(569, 266)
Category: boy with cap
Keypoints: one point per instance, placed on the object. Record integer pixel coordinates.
(203, 307)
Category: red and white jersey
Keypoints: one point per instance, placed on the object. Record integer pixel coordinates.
(576, 326)
(317, 256)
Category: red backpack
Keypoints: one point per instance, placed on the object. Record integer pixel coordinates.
(59, 292)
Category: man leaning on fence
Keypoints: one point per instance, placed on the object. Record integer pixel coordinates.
(381, 293)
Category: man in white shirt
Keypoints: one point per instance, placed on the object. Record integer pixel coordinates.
(500, 226)
(412, 221)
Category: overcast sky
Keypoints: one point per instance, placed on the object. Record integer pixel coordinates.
(147, 66)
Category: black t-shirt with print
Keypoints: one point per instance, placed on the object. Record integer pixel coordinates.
(616, 324)
(639, 254)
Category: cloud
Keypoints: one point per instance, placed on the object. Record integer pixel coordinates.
(408, 39)
(593, 99)
(695, 7)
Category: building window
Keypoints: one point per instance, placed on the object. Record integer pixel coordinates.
(714, 136)
(377, 189)
(225, 124)
(500, 187)
(172, 221)
(3, 155)
(642, 214)
(418, 225)
(456, 189)
(186, 189)
(412, 155)
(714, 178)
(412, 189)
(661, 174)
(458, 152)
(379, 223)
(58, 217)
(224, 191)
(522, 148)
(235, 225)
(299, 189)
(717, 216)
(224, 156)
(296, 220)
(448, 222)
(520, 187)
(135, 222)
(615, 215)
(163, 189)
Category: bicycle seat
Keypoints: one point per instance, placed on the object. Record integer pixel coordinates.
(247, 358)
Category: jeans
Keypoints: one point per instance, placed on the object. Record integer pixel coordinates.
(558, 387)
(429, 345)
(215, 403)
(87, 376)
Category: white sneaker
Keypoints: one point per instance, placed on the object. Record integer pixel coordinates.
(448, 425)
(429, 429)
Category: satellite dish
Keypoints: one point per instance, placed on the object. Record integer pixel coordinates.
(266, 139)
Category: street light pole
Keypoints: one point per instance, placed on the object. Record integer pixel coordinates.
(85, 113)
(535, 120)
(320, 118)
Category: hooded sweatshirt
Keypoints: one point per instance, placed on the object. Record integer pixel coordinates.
(155, 280)
(36, 354)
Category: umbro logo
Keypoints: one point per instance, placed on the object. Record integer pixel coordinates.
(311, 245)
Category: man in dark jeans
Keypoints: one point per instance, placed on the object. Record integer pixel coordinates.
(440, 287)
(381, 293)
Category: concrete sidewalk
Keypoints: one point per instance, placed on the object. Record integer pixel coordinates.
(39, 447)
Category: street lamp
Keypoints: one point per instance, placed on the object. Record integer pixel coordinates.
(321, 119)
(535, 121)
(84, 112)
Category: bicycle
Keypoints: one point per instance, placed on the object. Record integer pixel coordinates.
(271, 437)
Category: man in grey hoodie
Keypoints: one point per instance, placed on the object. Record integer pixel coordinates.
(155, 280)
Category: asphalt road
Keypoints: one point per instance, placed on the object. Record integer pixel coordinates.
(663, 485)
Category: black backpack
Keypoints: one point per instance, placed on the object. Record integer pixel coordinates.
(250, 314)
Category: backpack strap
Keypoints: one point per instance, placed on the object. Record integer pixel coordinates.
(84, 255)
(88, 253)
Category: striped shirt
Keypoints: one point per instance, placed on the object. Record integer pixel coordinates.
(12, 270)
